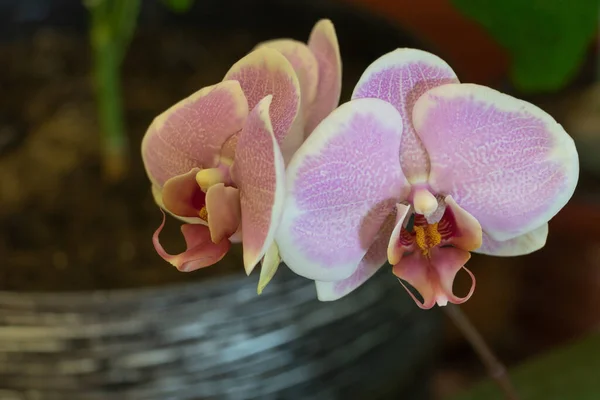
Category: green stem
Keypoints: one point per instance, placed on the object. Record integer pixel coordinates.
(108, 96)
(112, 25)
(496, 369)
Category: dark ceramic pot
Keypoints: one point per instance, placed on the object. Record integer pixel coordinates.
(215, 338)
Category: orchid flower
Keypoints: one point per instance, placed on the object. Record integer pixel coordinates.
(421, 170)
(216, 158)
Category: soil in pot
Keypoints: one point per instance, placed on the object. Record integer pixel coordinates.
(62, 227)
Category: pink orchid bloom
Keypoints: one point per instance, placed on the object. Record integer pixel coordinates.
(216, 158)
(421, 170)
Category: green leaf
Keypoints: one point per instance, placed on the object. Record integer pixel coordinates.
(547, 39)
(179, 6)
(570, 373)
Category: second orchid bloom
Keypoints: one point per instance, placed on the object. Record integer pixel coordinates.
(420, 170)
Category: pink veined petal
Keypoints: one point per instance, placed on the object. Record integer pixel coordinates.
(266, 72)
(324, 45)
(369, 265)
(260, 175)
(190, 133)
(201, 251)
(341, 185)
(223, 209)
(433, 278)
(395, 248)
(304, 63)
(447, 261)
(467, 232)
(400, 78)
(521, 245)
(228, 149)
(181, 195)
(505, 161)
(415, 269)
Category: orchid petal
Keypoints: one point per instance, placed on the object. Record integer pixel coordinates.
(400, 78)
(190, 133)
(260, 174)
(433, 278)
(466, 231)
(369, 265)
(304, 63)
(182, 196)
(415, 269)
(447, 262)
(324, 45)
(223, 209)
(201, 251)
(341, 185)
(228, 149)
(505, 161)
(395, 247)
(266, 72)
(268, 268)
(521, 245)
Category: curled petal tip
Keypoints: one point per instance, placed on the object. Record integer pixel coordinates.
(433, 278)
(200, 252)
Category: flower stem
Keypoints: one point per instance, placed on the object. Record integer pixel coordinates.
(112, 25)
(496, 369)
(110, 112)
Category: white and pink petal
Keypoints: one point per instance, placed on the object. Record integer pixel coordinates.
(371, 263)
(400, 78)
(518, 246)
(505, 161)
(341, 185)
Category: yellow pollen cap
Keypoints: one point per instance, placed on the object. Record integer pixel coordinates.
(427, 237)
(203, 214)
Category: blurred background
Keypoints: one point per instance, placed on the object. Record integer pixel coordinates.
(89, 311)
